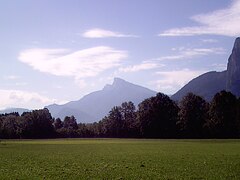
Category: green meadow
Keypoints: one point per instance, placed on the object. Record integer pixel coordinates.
(120, 159)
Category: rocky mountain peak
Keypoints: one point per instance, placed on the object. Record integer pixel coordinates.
(237, 45)
(118, 81)
(96, 105)
(233, 69)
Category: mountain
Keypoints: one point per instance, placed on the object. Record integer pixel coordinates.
(233, 70)
(10, 110)
(94, 106)
(208, 84)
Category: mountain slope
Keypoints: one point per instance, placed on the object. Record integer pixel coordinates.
(208, 84)
(94, 106)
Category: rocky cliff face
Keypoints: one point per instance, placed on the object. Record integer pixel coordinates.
(233, 70)
(208, 84)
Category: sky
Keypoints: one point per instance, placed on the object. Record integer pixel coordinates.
(60, 50)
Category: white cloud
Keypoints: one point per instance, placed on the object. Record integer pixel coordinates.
(80, 83)
(80, 64)
(11, 77)
(220, 22)
(23, 99)
(21, 83)
(57, 86)
(102, 33)
(186, 53)
(209, 40)
(145, 65)
(171, 81)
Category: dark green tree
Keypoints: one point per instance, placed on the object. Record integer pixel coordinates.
(128, 111)
(58, 124)
(192, 116)
(70, 123)
(98, 129)
(85, 130)
(157, 117)
(70, 127)
(222, 122)
(37, 124)
(113, 123)
(9, 126)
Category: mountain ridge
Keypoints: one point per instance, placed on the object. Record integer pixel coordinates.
(94, 106)
(208, 84)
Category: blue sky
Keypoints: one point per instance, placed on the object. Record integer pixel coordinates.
(57, 51)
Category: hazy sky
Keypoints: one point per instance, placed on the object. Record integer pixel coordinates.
(60, 50)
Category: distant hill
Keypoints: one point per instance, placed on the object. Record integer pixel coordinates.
(94, 106)
(208, 84)
(10, 110)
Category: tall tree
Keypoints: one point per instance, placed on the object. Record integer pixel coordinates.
(157, 117)
(223, 115)
(38, 124)
(128, 111)
(70, 127)
(192, 116)
(113, 123)
(9, 126)
(70, 123)
(58, 124)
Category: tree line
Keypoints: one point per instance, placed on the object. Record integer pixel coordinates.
(155, 117)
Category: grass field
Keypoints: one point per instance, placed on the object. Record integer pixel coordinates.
(120, 159)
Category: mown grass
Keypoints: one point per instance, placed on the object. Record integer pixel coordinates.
(120, 159)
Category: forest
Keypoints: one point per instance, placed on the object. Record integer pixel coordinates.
(155, 117)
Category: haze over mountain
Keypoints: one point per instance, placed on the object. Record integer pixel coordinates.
(10, 110)
(94, 106)
(208, 84)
